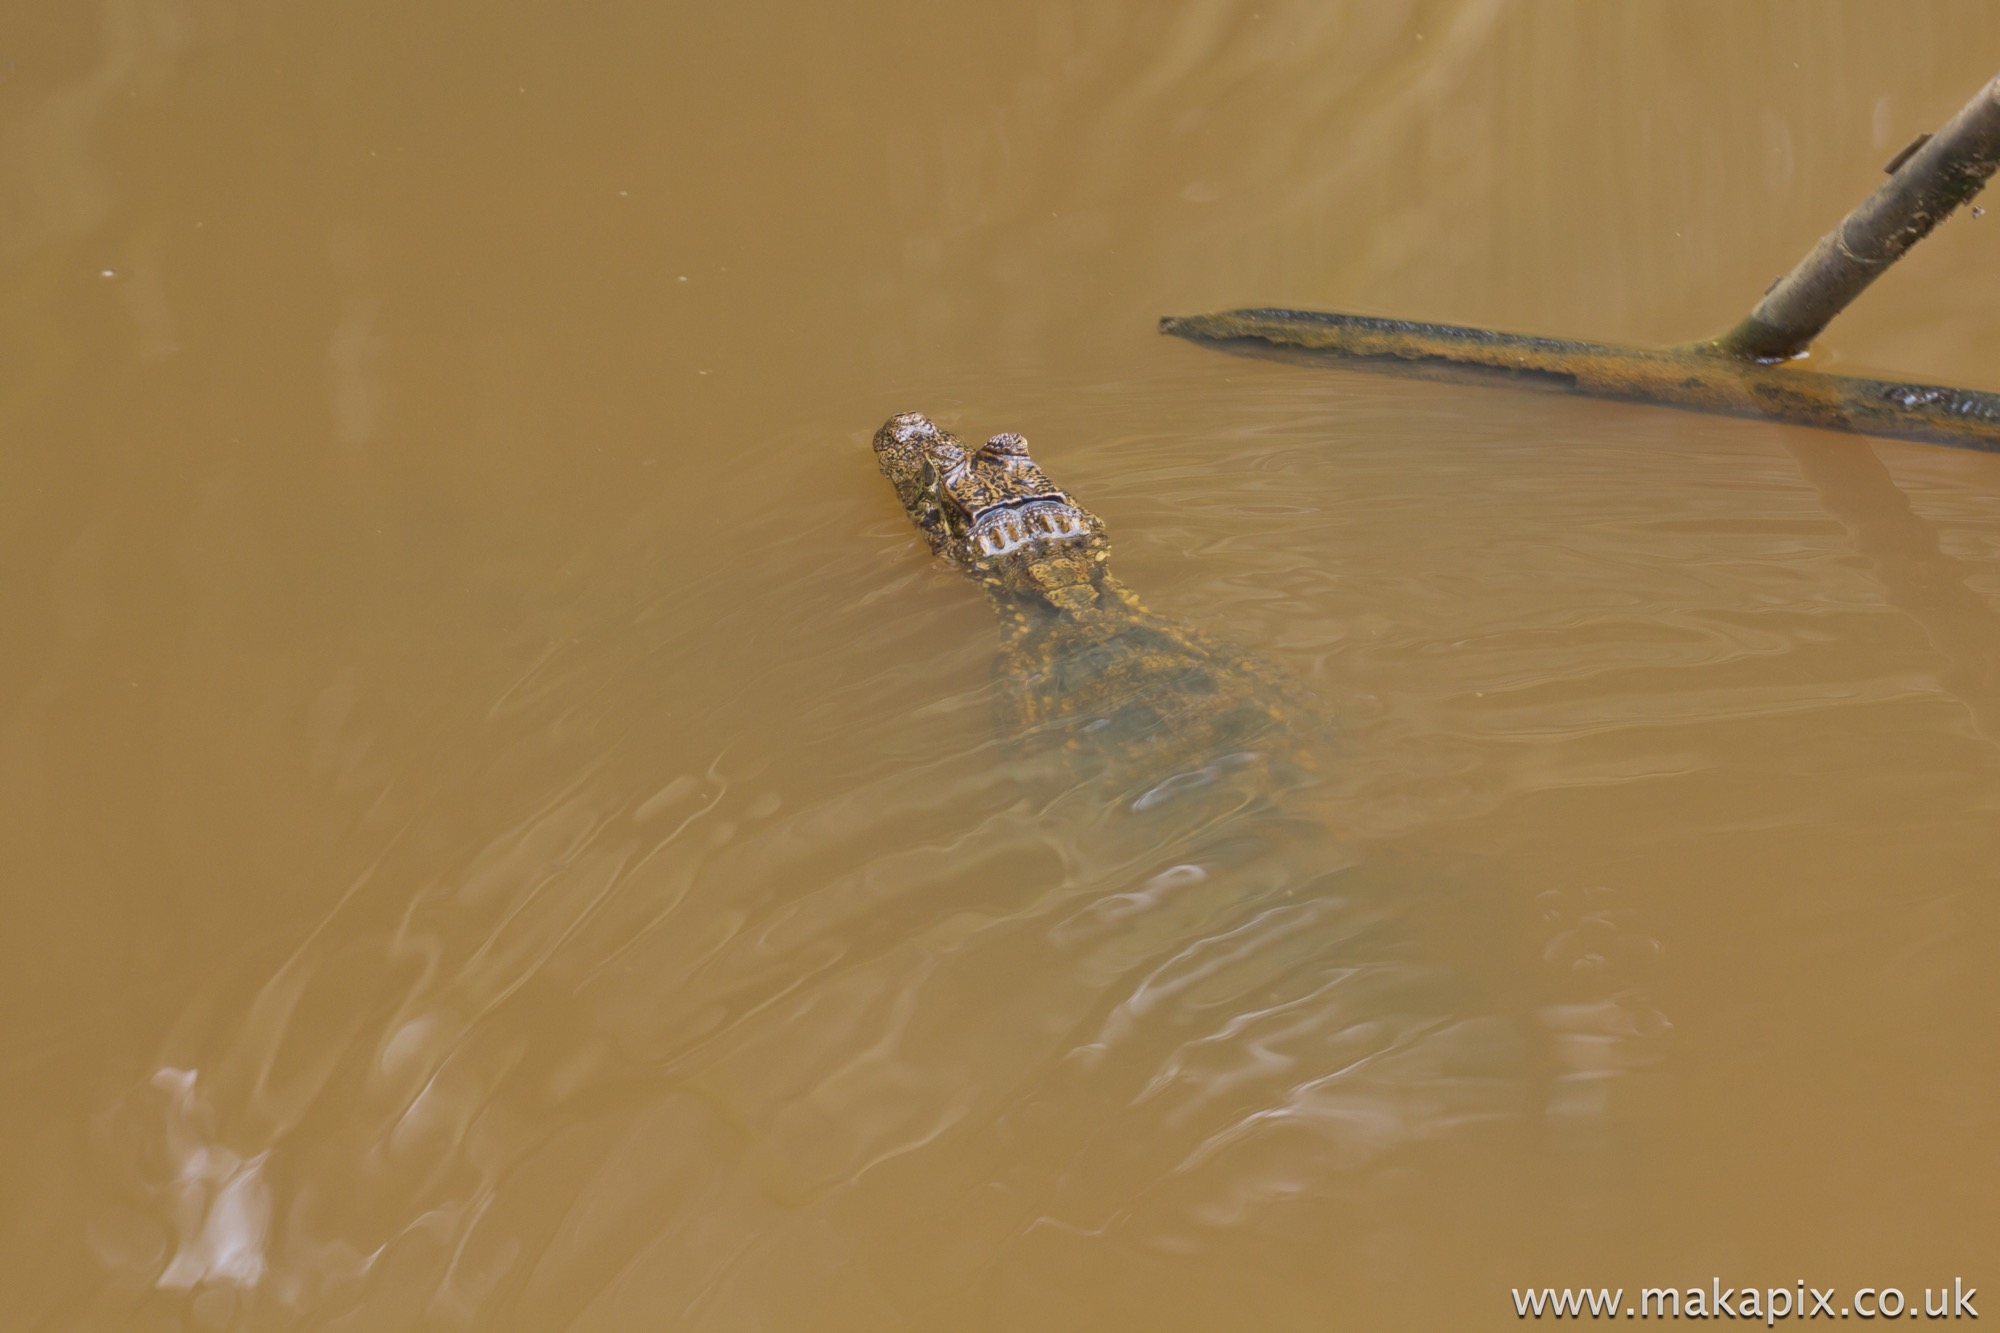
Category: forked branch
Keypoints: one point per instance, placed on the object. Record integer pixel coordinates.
(1734, 374)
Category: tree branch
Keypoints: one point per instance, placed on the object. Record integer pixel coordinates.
(1924, 186)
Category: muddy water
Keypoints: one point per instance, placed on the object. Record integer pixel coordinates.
(502, 827)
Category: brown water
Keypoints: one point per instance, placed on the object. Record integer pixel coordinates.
(502, 827)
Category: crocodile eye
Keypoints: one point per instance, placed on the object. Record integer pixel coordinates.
(928, 476)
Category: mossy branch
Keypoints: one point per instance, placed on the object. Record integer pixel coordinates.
(1735, 374)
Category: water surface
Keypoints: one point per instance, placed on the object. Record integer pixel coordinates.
(502, 826)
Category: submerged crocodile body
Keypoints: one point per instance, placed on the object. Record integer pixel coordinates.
(1082, 661)
(1299, 967)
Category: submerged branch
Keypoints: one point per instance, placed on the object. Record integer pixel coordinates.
(1675, 377)
(1737, 374)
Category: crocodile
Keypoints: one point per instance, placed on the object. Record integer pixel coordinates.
(1199, 767)
(1155, 703)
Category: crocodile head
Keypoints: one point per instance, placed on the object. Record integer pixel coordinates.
(995, 514)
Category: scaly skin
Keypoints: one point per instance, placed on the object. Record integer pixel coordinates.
(1080, 657)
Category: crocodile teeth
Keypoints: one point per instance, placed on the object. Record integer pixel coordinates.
(1000, 533)
(1002, 537)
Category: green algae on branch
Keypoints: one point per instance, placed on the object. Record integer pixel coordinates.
(1740, 373)
(1693, 378)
